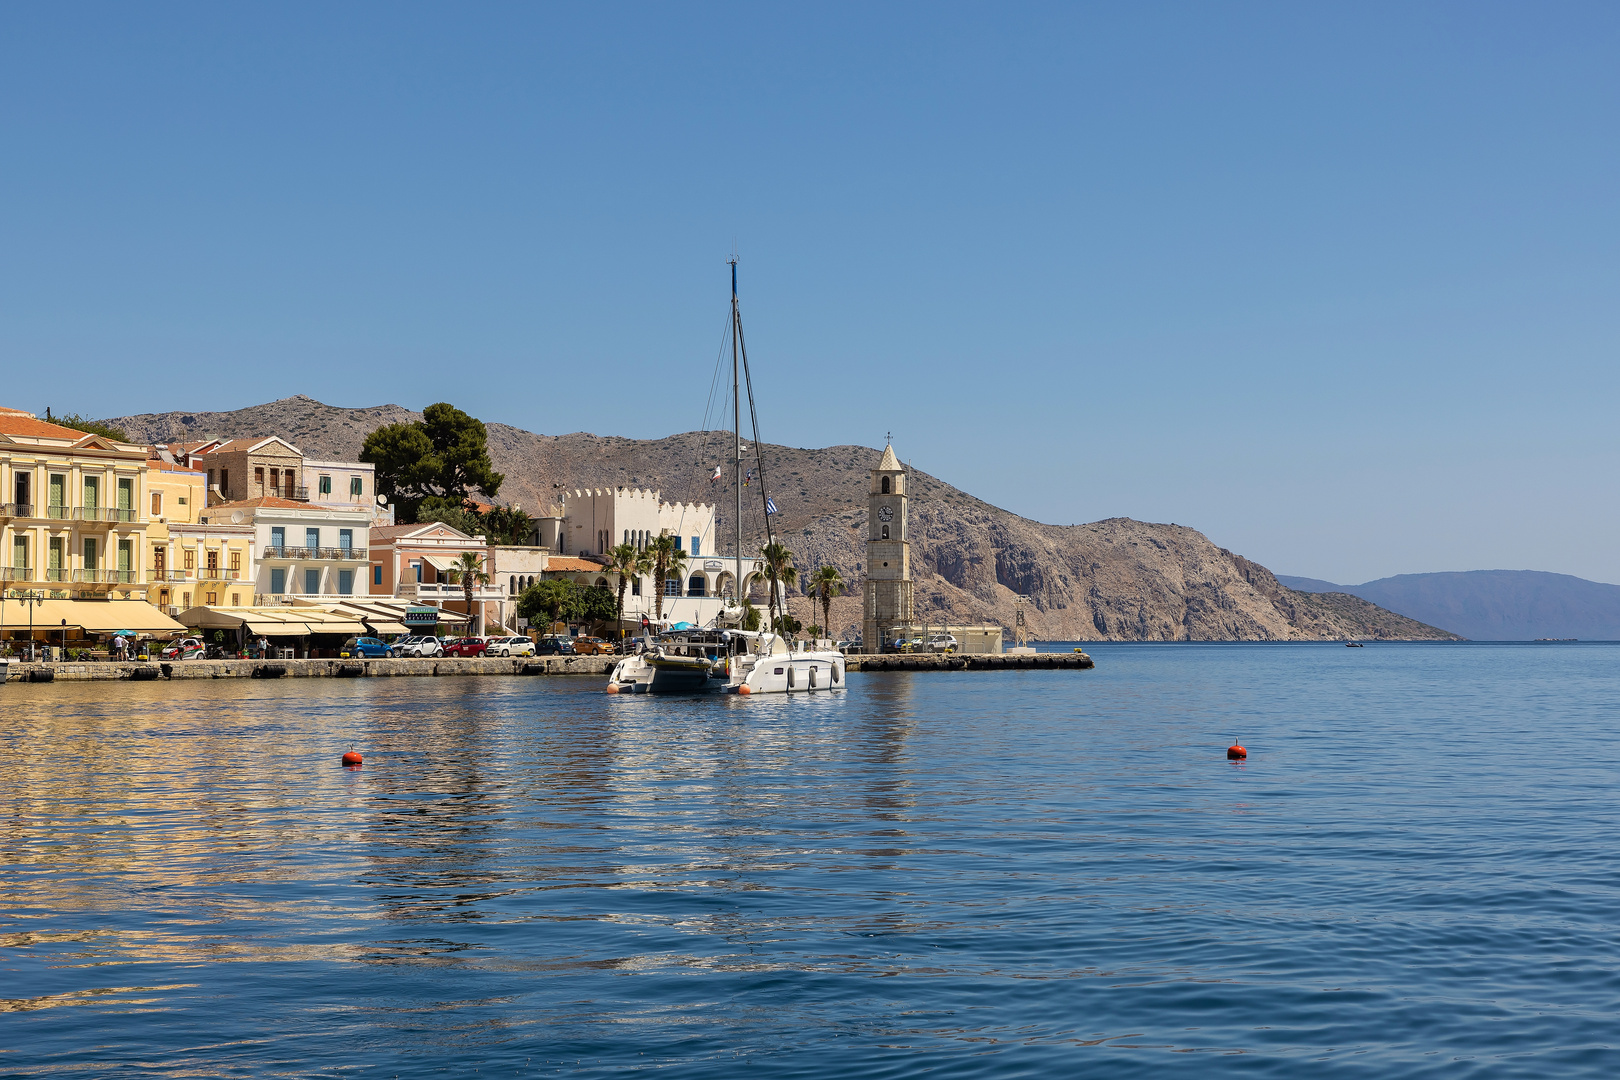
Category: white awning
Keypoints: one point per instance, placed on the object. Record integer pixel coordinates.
(440, 563)
(93, 616)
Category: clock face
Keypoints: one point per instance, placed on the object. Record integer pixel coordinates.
(885, 513)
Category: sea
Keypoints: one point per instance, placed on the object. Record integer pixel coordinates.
(1414, 873)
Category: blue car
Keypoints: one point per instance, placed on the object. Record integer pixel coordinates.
(367, 648)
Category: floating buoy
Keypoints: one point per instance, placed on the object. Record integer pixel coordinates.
(744, 689)
(352, 760)
(612, 688)
(1235, 751)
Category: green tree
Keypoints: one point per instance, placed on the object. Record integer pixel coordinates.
(506, 525)
(442, 510)
(595, 604)
(628, 561)
(85, 424)
(468, 571)
(780, 572)
(444, 455)
(669, 561)
(825, 584)
(555, 599)
(750, 616)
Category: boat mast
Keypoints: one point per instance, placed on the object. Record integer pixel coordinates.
(736, 432)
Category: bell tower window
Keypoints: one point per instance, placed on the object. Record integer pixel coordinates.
(885, 485)
(885, 532)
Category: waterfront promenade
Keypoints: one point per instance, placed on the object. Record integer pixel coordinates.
(81, 671)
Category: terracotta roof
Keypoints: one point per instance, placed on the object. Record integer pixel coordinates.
(169, 466)
(572, 565)
(17, 422)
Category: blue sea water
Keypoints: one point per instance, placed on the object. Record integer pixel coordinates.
(1041, 873)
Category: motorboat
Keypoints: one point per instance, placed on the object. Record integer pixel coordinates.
(726, 661)
(1354, 645)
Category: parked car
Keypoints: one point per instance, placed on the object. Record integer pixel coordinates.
(511, 646)
(552, 645)
(419, 645)
(593, 646)
(466, 646)
(943, 643)
(188, 648)
(365, 648)
(908, 644)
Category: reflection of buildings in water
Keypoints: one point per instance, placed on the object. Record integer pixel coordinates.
(454, 834)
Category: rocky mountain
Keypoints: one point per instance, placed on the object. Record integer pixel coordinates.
(1119, 579)
(1494, 605)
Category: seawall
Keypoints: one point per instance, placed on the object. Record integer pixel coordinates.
(309, 669)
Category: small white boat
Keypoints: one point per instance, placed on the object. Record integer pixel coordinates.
(714, 661)
(1354, 645)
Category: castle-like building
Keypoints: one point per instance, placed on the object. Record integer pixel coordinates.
(888, 554)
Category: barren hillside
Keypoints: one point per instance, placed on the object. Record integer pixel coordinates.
(1118, 579)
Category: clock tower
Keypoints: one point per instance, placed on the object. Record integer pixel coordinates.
(888, 555)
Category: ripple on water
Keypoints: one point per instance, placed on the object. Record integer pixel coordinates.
(976, 875)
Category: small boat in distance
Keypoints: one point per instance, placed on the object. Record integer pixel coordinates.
(1354, 645)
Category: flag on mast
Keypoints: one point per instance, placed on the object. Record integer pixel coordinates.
(770, 506)
(716, 475)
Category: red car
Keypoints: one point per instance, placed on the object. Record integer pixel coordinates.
(466, 646)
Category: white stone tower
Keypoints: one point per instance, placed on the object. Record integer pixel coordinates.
(888, 555)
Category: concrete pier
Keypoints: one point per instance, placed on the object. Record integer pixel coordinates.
(599, 666)
(308, 669)
(967, 662)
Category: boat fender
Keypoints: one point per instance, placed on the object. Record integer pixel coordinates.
(611, 688)
(744, 689)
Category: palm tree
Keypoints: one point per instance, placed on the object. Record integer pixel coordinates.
(826, 583)
(668, 560)
(628, 561)
(780, 572)
(468, 570)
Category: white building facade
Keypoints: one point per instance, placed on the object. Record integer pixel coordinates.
(303, 548)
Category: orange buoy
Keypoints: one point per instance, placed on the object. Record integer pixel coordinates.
(1234, 752)
(352, 760)
(744, 689)
(612, 688)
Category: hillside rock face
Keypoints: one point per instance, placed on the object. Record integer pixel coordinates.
(1115, 580)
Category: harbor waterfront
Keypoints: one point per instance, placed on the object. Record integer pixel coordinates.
(448, 666)
(969, 874)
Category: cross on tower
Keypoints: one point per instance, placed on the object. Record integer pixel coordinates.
(888, 438)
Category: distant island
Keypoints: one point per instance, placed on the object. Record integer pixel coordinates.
(1492, 605)
(1113, 580)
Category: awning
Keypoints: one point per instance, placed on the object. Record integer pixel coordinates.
(439, 562)
(92, 616)
(383, 626)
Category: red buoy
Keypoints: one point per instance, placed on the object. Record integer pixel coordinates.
(612, 688)
(352, 760)
(1235, 751)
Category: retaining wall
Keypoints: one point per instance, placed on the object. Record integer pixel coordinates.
(310, 669)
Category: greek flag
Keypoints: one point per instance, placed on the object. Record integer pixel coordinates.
(770, 506)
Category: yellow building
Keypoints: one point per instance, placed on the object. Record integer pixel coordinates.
(193, 564)
(73, 524)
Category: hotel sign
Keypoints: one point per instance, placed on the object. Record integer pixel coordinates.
(713, 564)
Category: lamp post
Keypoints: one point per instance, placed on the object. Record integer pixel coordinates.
(63, 654)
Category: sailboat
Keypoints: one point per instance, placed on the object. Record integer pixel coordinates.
(724, 658)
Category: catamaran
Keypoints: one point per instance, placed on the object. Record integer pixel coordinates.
(725, 658)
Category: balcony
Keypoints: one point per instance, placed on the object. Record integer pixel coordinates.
(17, 510)
(158, 573)
(214, 573)
(58, 573)
(315, 554)
(99, 513)
(105, 577)
(16, 573)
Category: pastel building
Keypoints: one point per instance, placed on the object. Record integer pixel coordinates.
(303, 549)
(193, 562)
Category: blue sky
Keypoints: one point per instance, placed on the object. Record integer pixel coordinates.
(1337, 286)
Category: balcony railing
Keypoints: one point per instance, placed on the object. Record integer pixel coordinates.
(98, 576)
(16, 573)
(59, 513)
(159, 573)
(215, 573)
(58, 573)
(99, 513)
(313, 554)
(17, 510)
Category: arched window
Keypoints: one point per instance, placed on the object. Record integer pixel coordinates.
(885, 532)
(885, 485)
(601, 583)
(697, 586)
(512, 586)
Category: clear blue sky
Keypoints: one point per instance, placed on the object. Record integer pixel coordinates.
(1338, 286)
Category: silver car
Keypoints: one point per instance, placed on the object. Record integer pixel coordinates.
(419, 646)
